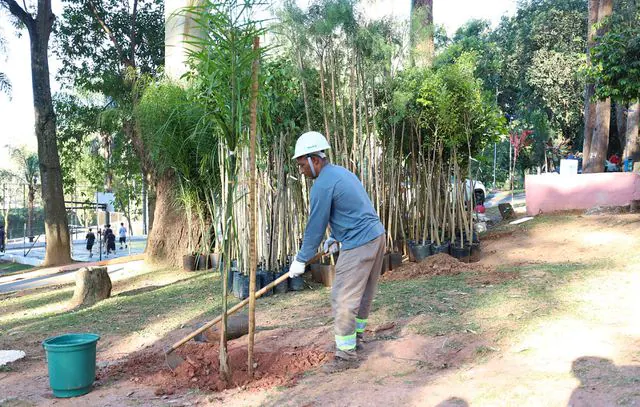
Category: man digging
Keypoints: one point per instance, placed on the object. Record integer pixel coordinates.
(338, 199)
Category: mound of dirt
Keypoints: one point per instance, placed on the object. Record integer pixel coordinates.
(440, 264)
(281, 367)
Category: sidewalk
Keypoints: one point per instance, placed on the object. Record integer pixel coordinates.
(47, 271)
(63, 274)
(15, 251)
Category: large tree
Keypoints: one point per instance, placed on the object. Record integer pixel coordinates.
(39, 25)
(124, 46)
(594, 162)
(615, 69)
(589, 89)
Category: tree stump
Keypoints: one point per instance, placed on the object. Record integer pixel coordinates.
(93, 284)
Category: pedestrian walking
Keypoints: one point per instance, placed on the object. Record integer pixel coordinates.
(2, 237)
(122, 232)
(91, 239)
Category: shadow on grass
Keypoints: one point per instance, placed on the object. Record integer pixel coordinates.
(604, 383)
(34, 299)
(128, 313)
(140, 290)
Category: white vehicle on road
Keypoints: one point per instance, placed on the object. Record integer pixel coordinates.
(474, 189)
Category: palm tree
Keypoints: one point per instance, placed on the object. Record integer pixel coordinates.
(29, 169)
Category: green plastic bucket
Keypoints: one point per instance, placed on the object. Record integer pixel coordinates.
(71, 359)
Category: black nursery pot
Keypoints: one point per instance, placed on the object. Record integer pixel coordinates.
(460, 252)
(284, 286)
(296, 284)
(243, 286)
(264, 278)
(440, 248)
(188, 262)
(395, 260)
(421, 251)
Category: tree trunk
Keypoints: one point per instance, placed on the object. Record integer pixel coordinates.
(422, 32)
(600, 135)
(600, 141)
(56, 228)
(169, 238)
(305, 97)
(323, 100)
(632, 146)
(621, 125)
(93, 285)
(589, 90)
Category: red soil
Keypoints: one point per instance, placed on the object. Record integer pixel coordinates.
(440, 264)
(281, 367)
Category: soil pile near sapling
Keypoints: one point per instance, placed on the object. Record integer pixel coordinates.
(440, 264)
(281, 367)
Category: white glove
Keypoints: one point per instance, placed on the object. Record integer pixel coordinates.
(296, 269)
(331, 246)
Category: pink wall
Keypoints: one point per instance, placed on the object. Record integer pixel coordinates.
(552, 192)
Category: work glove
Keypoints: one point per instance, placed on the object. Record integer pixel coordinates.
(296, 269)
(331, 246)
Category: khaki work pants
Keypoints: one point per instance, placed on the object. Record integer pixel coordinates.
(357, 273)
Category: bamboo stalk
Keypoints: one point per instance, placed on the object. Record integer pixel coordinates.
(252, 205)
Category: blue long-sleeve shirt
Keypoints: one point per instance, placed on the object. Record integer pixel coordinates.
(339, 199)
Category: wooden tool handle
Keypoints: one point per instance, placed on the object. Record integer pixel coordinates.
(236, 307)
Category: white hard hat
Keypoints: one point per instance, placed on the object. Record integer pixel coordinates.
(309, 143)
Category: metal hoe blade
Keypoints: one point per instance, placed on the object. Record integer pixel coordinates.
(173, 360)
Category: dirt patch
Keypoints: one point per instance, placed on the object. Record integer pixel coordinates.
(440, 264)
(281, 367)
(608, 210)
(492, 277)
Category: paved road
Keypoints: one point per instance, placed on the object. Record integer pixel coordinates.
(36, 279)
(35, 255)
(504, 197)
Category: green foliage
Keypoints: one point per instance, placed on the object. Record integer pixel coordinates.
(77, 119)
(327, 17)
(455, 108)
(5, 84)
(28, 165)
(95, 60)
(555, 82)
(106, 48)
(616, 59)
(172, 122)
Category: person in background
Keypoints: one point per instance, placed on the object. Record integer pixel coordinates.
(2, 237)
(111, 240)
(122, 232)
(91, 239)
(614, 159)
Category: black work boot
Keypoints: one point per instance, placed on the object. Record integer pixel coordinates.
(339, 364)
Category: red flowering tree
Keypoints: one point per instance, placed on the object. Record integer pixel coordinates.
(518, 143)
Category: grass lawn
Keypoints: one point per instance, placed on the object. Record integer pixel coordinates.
(9, 267)
(570, 302)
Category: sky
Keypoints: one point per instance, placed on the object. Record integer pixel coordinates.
(16, 114)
